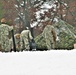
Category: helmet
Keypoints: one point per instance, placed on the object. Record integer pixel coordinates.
(27, 28)
(3, 20)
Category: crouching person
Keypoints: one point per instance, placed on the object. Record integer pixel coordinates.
(17, 42)
(25, 39)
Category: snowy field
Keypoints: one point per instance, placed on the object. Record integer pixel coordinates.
(54, 62)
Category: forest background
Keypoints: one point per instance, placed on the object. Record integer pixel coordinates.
(32, 14)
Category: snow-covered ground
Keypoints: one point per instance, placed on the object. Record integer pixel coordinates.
(54, 62)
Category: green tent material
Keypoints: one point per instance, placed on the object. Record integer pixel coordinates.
(66, 34)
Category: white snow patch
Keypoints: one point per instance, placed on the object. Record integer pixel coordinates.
(55, 20)
(54, 62)
(34, 24)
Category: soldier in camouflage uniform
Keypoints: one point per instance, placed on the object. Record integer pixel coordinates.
(50, 36)
(17, 42)
(25, 38)
(4, 35)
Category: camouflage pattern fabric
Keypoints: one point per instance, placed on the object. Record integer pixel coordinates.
(66, 36)
(4, 39)
(40, 42)
(25, 37)
(49, 37)
(17, 42)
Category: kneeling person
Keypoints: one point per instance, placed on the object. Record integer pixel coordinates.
(17, 42)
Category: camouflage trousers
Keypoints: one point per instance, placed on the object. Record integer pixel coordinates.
(17, 43)
(24, 43)
(5, 46)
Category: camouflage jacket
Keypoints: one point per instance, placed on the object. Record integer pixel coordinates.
(26, 33)
(49, 33)
(4, 30)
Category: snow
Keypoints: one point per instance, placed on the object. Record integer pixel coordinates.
(34, 24)
(64, 15)
(44, 7)
(16, 6)
(56, 20)
(53, 62)
(38, 14)
(49, 5)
